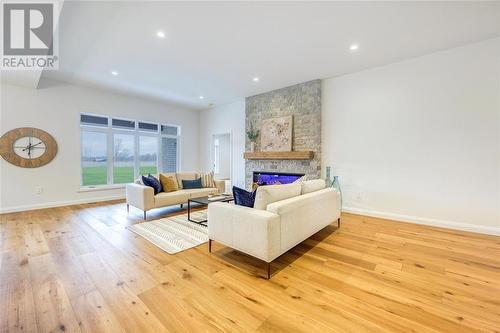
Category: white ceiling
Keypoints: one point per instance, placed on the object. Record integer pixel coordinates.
(214, 49)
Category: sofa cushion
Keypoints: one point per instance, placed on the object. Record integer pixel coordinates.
(169, 183)
(243, 197)
(190, 184)
(185, 176)
(309, 186)
(272, 193)
(171, 198)
(151, 181)
(201, 192)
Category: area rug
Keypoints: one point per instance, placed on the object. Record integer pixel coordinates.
(174, 234)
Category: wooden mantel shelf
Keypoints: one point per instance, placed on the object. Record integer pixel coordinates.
(279, 155)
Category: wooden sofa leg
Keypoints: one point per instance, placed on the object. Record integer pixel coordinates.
(268, 270)
(338, 222)
(182, 205)
(210, 246)
(144, 215)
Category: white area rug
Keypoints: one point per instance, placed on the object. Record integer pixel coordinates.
(174, 234)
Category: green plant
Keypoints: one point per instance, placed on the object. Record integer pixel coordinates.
(252, 133)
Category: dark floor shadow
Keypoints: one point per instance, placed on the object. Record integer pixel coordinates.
(258, 268)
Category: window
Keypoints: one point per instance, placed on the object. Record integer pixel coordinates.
(122, 123)
(93, 120)
(117, 151)
(169, 154)
(123, 158)
(148, 127)
(169, 130)
(148, 154)
(94, 158)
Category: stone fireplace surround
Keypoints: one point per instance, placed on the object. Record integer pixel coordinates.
(303, 102)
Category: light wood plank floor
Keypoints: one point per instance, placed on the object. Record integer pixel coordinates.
(77, 269)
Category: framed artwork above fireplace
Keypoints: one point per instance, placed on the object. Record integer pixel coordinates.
(276, 134)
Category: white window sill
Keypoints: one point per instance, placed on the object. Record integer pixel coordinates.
(101, 188)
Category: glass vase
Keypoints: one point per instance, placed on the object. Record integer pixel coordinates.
(336, 186)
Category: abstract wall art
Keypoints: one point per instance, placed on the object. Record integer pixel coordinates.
(276, 134)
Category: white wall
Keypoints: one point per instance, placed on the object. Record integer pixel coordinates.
(418, 140)
(55, 109)
(229, 118)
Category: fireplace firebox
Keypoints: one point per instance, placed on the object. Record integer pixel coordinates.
(261, 178)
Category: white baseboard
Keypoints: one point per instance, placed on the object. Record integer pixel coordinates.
(14, 209)
(426, 221)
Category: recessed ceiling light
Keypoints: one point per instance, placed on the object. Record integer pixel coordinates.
(114, 73)
(354, 47)
(160, 34)
(202, 97)
(255, 79)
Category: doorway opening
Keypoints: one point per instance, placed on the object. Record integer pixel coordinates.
(221, 157)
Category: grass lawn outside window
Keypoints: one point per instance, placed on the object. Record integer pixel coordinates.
(121, 175)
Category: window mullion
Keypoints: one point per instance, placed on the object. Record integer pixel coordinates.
(159, 155)
(178, 154)
(137, 167)
(110, 156)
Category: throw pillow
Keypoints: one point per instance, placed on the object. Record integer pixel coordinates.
(301, 179)
(207, 179)
(168, 183)
(190, 184)
(312, 185)
(271, 193)
(151, 181)
(243, 197)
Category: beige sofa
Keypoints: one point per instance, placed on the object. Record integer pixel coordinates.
(282, 217)
(143, 197)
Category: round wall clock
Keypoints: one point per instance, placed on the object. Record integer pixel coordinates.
(28, 147)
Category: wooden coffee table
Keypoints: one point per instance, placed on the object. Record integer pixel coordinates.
(206, 201)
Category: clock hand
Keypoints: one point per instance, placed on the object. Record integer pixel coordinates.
(30, 146)
(36, 144)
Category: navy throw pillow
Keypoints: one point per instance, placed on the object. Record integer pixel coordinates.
(189, 184)
(243, 197)
(151, 181)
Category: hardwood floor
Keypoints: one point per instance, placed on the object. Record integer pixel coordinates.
(77, 269)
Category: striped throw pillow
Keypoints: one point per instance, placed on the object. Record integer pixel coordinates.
(207, 179)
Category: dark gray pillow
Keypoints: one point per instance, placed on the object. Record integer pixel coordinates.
(189, 184)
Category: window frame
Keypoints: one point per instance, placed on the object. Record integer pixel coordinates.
(110, 131)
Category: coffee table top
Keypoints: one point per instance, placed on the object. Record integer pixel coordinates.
(208, 200)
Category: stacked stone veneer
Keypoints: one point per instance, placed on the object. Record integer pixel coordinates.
(303, 102)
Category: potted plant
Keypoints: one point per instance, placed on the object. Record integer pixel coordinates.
(252, 135)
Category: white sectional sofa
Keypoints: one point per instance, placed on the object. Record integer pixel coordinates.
(282, 217)
(143, 197)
